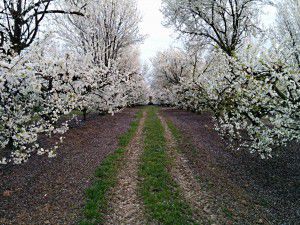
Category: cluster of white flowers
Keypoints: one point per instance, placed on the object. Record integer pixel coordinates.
(37, 92)
(33, 96)
(255, 96)
(257, 101)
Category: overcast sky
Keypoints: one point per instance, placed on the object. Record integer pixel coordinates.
(160, 38)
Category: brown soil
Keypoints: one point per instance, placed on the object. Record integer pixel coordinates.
(51, 191)
(244, 188)
(125, 207)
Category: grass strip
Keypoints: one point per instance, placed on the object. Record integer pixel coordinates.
(106, 178)
(174, 130)
(163, 201)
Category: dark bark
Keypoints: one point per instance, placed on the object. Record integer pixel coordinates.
(20, 22)
(224, 23)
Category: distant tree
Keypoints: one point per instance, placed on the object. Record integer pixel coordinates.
(170, 67)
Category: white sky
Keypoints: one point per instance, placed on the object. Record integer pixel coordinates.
(159, 37)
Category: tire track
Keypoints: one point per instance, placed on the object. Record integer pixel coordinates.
(125, 207)
(183, 175)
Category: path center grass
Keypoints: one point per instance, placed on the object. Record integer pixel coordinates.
(161, 195)
(106, 178)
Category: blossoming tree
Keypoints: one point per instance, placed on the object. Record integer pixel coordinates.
(251, 84)
(44, 81)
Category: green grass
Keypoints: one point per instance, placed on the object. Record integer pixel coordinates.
(175, 132)
(161, 195)
(106, 178)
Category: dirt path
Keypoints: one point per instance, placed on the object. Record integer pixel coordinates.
(184, 177)
(125, 206)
